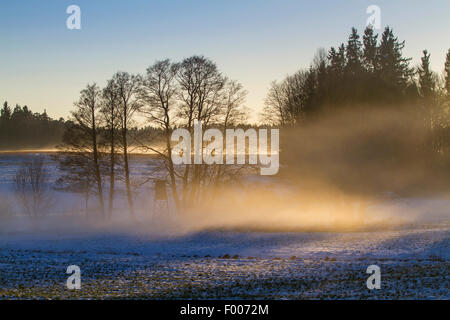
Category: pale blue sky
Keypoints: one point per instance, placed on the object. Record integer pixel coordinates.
(45, 65)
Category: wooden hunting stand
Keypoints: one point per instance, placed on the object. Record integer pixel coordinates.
(160, 201)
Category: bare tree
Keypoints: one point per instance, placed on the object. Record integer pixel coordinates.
(287, 100)
(82, 137)
(201, 86)
(127, 86)
(110, 113)
(31, 186)
(233, 112)
(201, 96)
(158, 93)
(274, 109)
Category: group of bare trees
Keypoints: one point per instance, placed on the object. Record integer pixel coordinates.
(177, 94)
(287, 100)
(96, 147)
(96, 143)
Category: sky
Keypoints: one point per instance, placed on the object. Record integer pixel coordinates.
(44, 65)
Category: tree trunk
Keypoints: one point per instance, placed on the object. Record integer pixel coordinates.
(98, 176)
(111, 175)
(127, 171)
(173, 183)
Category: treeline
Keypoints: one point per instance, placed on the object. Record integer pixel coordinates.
(20, 128)
(363, 72)
(368, 108)
(95, 153)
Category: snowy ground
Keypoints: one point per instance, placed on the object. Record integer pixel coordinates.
(414, 264)
(142, 260)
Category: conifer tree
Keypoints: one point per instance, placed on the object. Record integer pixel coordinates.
(370, 50)
(353, 54)
(394, 68)
(427, 83)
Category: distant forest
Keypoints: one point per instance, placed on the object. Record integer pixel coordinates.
(20, 128)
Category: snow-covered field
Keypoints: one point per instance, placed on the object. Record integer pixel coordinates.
(414, 264)
(142, 260)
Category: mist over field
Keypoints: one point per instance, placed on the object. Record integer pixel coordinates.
(255, 203)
